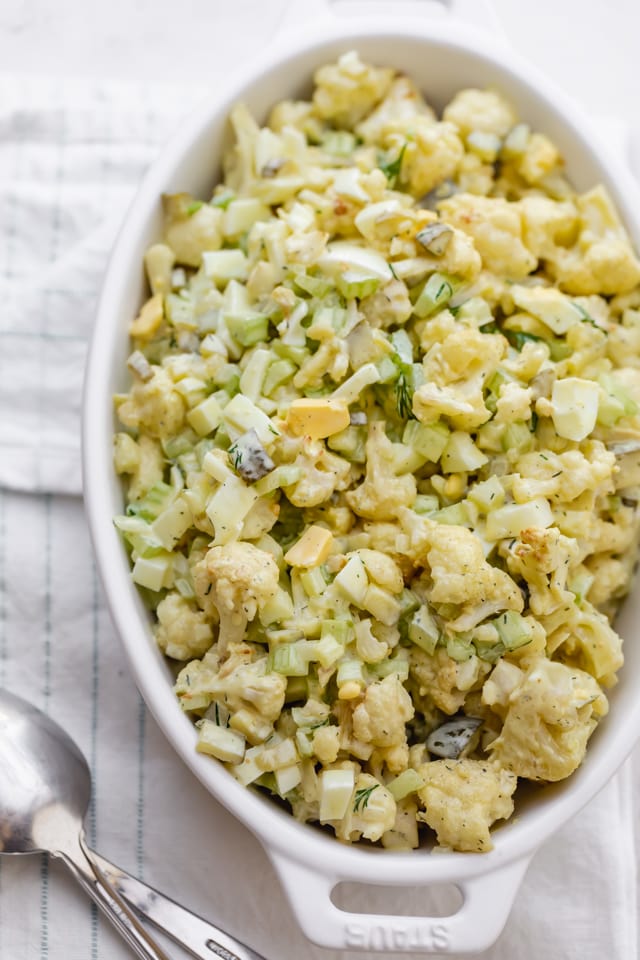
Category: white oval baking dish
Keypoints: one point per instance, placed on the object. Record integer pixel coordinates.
(443, 51)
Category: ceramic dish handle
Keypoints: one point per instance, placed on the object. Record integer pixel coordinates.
(478, 13)
(487, 900)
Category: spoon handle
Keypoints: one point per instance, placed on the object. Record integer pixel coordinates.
(201, 938)
(113, 907)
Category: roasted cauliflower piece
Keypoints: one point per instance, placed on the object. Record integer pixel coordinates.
(183, 631)
(383, 492)
(551, 715)
(463, 798)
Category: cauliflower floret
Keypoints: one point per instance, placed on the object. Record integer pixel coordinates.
(610, 578)
(462, 799)
(496, 226)
(396, 113)
(484, 110)
(244, 683)
(514, 403)
(322, 471)
(538, 160)
(563, 477)
(458, 571)
(544, 558)
(190, 229)
(430, 156)
(182, 631)
(548, 224)
(455, 370)
(242, 579)
(330, 359)
(602, 261)
(590, 642)
(403, 835)
(382, 569)
(381, 717)
(371, 812)
(437, 679)
(326, 744)
(143, 460)
(389, 306)
(153, 406)
(382, 493)
(551, 716)
(348, 90)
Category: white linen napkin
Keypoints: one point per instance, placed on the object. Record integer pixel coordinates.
(71, 154)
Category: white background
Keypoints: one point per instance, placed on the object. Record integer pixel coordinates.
(589, 47)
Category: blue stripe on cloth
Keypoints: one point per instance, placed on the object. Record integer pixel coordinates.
(46, 694)
(142, 722)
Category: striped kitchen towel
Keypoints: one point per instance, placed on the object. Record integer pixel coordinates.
(71, 154)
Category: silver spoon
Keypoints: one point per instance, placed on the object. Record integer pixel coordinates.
(45, 789)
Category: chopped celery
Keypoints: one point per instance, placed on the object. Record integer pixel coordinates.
(435, 294)
(290, 659)
(153, 503)
(398, 666)
(173, 523)
(350, 443)
(328, 650)
(353, 284)
(517, 437)
(179, 311)
(429, 440)
(487, 495)
(248, 329)
(423, 630)
(615, 401)
(461, 454)
(283, 476)
(455, 515)
(313, 581)
(353, 580)
(206, 416)
(426, 503)
(459, 647)
(340, 630)
(220, 742)
(405, 783)
(340, 143)
(154, 573)
(349, 670)
(513, 629)
(279, 372)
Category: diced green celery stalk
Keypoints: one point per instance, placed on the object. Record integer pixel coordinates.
(336, 789)
(402, 345)
(387, 370)
(426, 503)
(516, 141)
(340, 630)
(580, 584)
(283, 476)
(314, 286)
(222, 198)
(227, 508)
(351, 388)
(397, 665)
(493, 384)
(328, 651)
(435, 294)
(179, 312)
(153, 503)
(341, 143)
(405, 783)
(184, 588)
(490, 652)
(476, 310)
(224, 265)
(253, 375)
(278, 608)
(488, 495)
(352, 284)
(513, 629)
(459, 647)
(408, 602)
(279, 372)
(172, 447)
(349, 669)
(192, 389)
(428, 439)
(615, 401)
(559, 349)
(350, 443)
(297, 689)
(287, 351)
(241, 415)
(154, 573)
(289, 659)
(249, 329)
(461, 454)
(423, 630)
(220, 742)
(517, 437)
(455, 515)
(313, 581)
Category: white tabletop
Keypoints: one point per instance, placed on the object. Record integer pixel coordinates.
(588, 47)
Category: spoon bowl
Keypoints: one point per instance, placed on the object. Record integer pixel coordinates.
(45, 784)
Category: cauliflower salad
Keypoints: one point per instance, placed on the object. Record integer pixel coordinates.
(381, 450)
